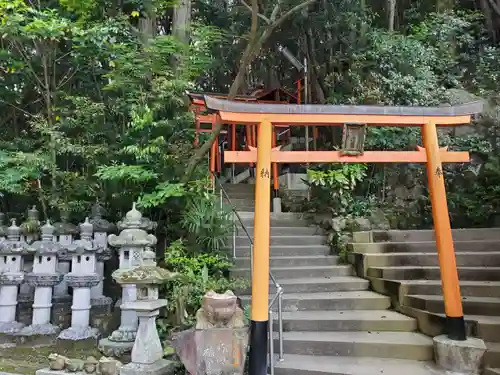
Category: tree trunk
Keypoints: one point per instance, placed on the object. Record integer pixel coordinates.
(182, 21)
(391, 14)
(255, 43)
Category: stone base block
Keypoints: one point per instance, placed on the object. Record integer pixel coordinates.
(461, 357)
(11, 327)
(79, 334)
(161, 367)
(101, 316)
(37, 335)
(61, 312)
(119, 350)
(25, 312)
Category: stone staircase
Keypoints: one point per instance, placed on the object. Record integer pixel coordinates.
(404, 266)
(333, 323)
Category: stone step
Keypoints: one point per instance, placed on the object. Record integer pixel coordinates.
(317, 285)
(325, 365)
(292, 261)
(347, 320)
(289, 250)
(358, 300)
(433, 273)
(286, 240)
(433, 287)
(323, 284)
(300, 272)
(433, 324)
(492, 357)
(240, 201)
(284, 231)
(467, 234)
(470, 259)
(471, 305)
(423, 247)
(467, 288)
(397, 345)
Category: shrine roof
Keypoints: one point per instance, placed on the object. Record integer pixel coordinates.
(311, 114)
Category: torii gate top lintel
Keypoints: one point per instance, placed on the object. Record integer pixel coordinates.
(314, 114)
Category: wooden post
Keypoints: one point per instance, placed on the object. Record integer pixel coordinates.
(260, 275)
(455, 324)
(276, 184)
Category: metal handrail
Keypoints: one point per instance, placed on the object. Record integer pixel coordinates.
(279, 289)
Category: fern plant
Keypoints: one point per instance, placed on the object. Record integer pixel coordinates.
(206, 223)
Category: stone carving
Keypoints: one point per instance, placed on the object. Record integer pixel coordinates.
(219, 342)
(220, 311)
(105, 366)
(57, 362)
(90, 365)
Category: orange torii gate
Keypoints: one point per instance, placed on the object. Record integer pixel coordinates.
(354, 119)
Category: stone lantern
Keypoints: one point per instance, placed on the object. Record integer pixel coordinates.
(81, 278)
(147, 352)
(11, 276)
(43, 278)
(31, 226)
(102, 228)
(65, 233)
(131, 242)
(3, 227)
(29, 233)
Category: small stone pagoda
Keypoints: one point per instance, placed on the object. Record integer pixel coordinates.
(131, 243)
(81, 278)
(11, 276)
(102, 228)
(43, 278)
(147, 352)
(64, 234)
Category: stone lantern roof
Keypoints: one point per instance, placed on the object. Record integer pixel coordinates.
(134, 220)
(97, 220)
(13, 244)
(46, 246)
(133, 233)
(85, 243)
(64, 227)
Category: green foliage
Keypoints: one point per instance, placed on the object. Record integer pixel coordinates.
(199, 273)
(335, 185)
(207, 223)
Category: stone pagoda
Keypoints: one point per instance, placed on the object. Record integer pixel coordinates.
(64, 234)
(29, 232)
(131, 243)
(147, 352)
(11, 276)
(43, 278)
(81, 278)
(102, 228)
